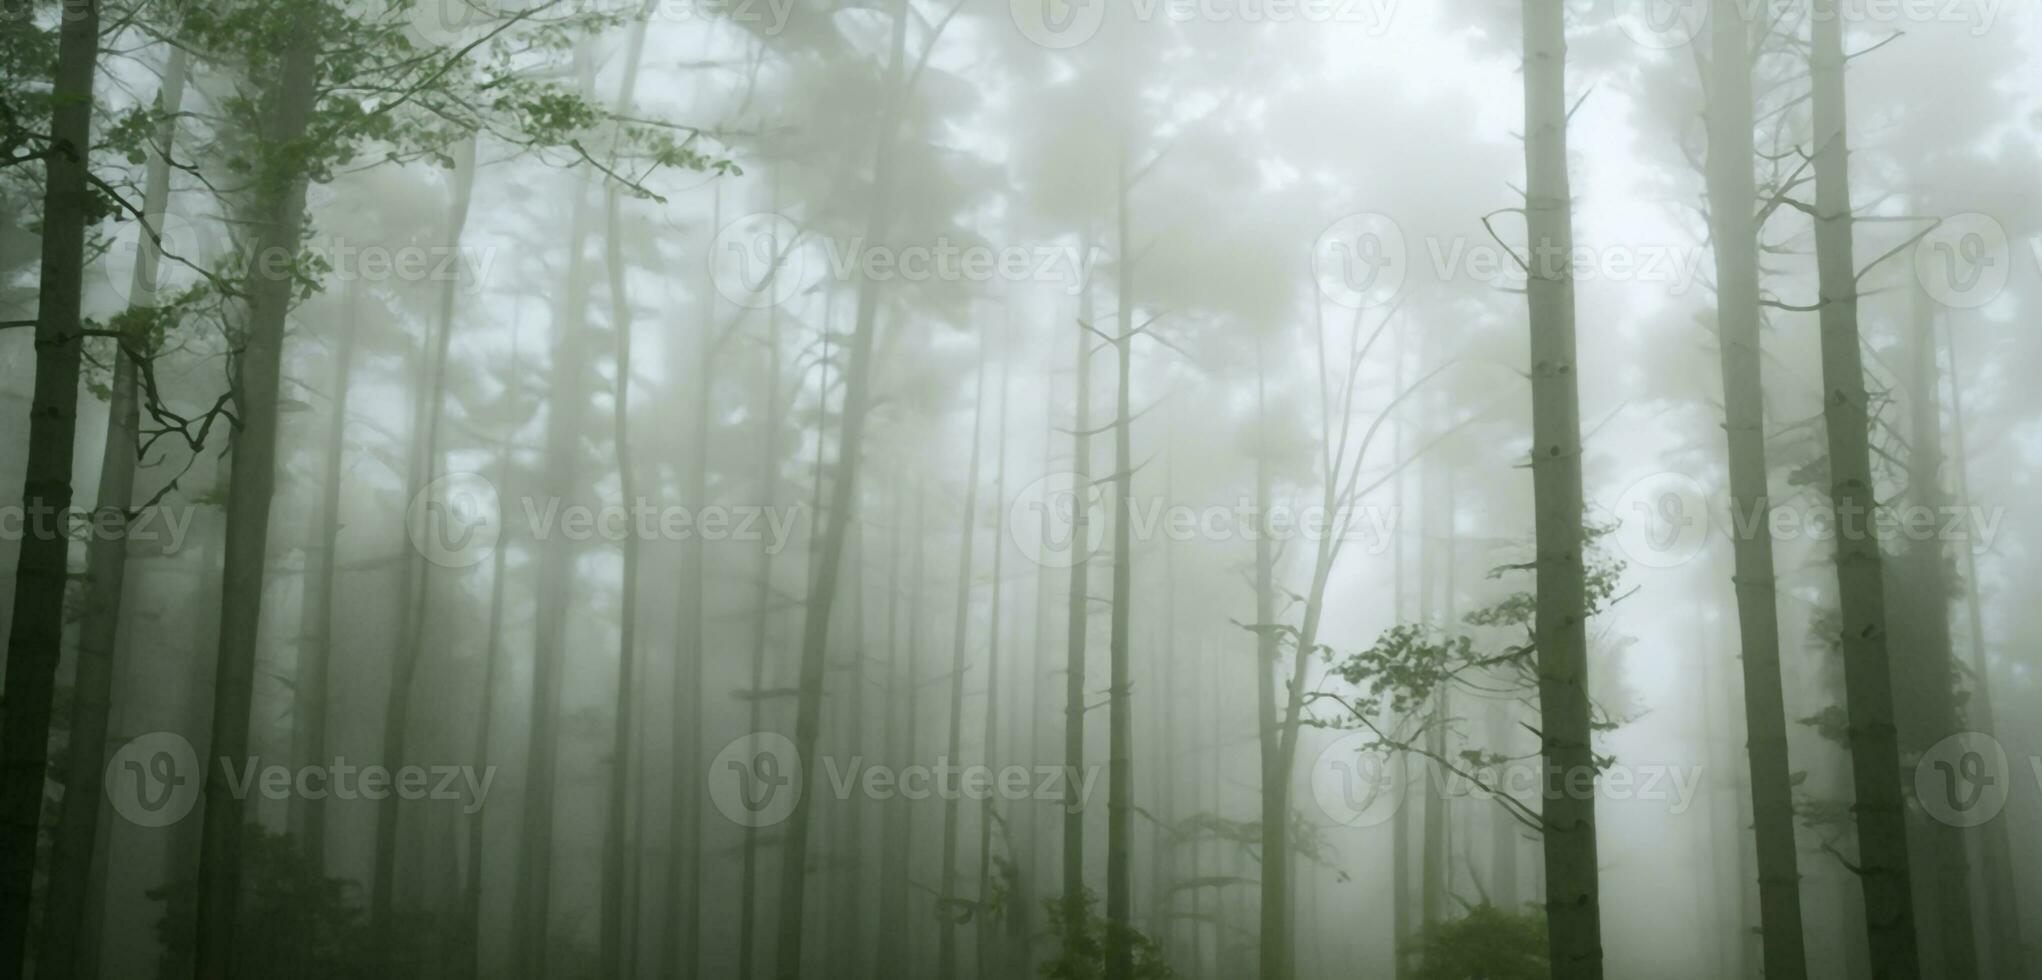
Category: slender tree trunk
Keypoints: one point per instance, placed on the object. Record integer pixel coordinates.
(1504, 890)
(416, 589)
(2003, 922)
(277, 217)
(531, 905)
(36, 638)
(841, 513)
(1573, 908)
(948, 902)
(1732, 206)
(1274, 951)
(762, 616)
(1079, 607)
(1120, 709)
(889, 959)
(1936, 662)
(987, 814)
(615, 908)
(1883, 866)
(65, 936)
(485, 723)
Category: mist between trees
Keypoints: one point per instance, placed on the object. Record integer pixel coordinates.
(999, 489)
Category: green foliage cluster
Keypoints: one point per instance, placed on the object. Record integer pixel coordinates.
(1080, 936)
(1486, 943)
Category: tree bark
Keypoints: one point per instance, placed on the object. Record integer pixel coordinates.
(1733, 202)
(1079, 606)
(947, 902)
(1883, 867)
(985, 932)
(1573, 907)
(36, 636)
(1120, 710)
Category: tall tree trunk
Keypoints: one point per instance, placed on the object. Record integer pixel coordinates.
(1732, 204)
(889, 957)
(1883, 866)
(1504, 891)
(1079, 605)
(985, 932)
(1273, 949)
(531, 916)
(485, 722)
(1936, 661)
(615, 908)
(1573, 908)
(65, 937)
(948, 902)
(277, 217)
(762, 616)
(36, 637)
(1119, 708)
(2003, 921)
(841, 514)
(415, 590)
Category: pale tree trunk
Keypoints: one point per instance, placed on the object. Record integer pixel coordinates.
(947, 902)
(416, 588)
(2003, 922)
(1079, 605)
(1120, 710)
(1504, 891)
(1940, 715)
(762, 617)
(65, 937)
(1273, 949)
(1733, 202)
(841, 514)
(1573, 908)
(36, 636)
(485, 723)
(531, 917)
(1883, 866)
(889, 953)
(277, 217)
(985, 932)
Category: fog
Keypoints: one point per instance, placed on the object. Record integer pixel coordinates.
(1050, 488)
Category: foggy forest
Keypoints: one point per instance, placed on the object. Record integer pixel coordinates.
(1005, 489)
